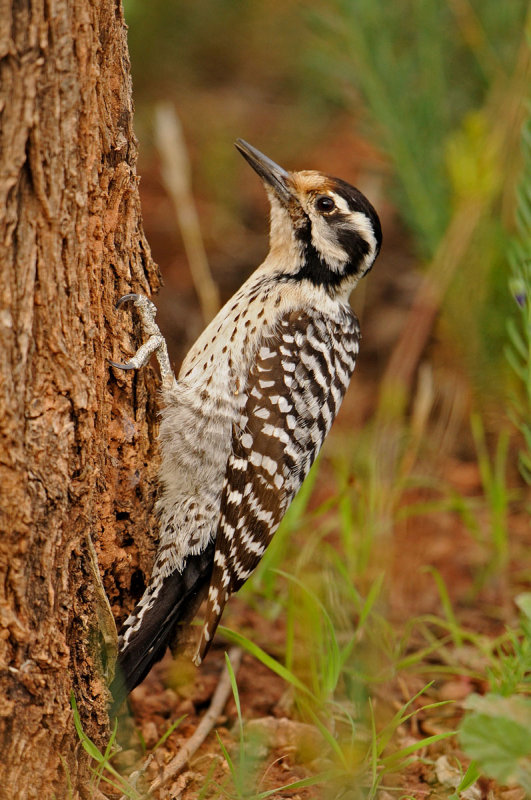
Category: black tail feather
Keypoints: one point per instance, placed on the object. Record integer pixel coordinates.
(177, 602)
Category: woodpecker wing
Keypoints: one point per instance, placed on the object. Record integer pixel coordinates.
(294, 390)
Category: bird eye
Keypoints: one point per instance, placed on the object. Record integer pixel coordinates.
(324, 203)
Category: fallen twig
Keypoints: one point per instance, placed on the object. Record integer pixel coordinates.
(407, 353)
(193, 744)
(176, 175)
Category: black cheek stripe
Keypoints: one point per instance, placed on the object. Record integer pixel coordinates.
(315, 268)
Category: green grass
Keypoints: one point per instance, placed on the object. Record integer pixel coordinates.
(339, 645)
(244, 768)
(518, 350)
(493, 477)
(495, 730)
(341, 651)
(104, 771)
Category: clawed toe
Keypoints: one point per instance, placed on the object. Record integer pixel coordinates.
(121, 366)
(145, 307)
(125, 298)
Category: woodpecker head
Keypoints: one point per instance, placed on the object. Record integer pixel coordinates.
(322, 229)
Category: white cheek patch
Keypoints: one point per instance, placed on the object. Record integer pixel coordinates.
(281, 226)
(324, 238)
(360, 223)
(363, 225)
(325, 241)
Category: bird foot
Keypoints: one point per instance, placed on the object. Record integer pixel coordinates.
(154, 344)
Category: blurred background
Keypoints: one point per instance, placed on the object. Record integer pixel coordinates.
(422, 490)
(420, 104)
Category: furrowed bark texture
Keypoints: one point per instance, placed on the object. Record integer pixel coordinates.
(77, 457)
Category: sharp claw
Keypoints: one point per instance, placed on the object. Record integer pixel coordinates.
(120, 366)
(125, 298)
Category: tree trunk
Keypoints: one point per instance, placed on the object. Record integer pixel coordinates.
(77, 458)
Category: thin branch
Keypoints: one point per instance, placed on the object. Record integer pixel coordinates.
(176, 175)
(407, 353)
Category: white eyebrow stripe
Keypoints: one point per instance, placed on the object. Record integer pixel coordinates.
(341, 203)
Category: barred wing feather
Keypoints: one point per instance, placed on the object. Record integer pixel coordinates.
(293, 393)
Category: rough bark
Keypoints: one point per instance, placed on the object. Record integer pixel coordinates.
(77, 457)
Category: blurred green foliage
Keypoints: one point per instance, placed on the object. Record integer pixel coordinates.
(229, 65)
(444, 84)
(430, 83)
(519, 323)
(210, 43)
(422, 66)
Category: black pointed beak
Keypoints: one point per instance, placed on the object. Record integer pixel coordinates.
(276, 177)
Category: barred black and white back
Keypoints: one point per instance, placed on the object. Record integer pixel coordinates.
(253, 403)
